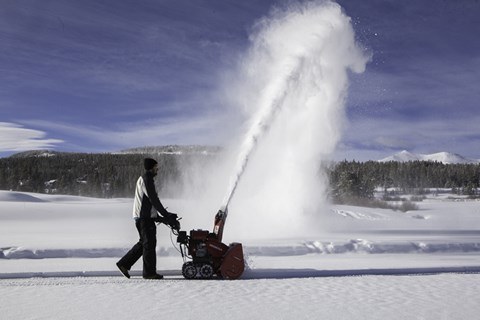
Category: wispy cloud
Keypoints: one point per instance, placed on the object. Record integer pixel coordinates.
(145, 47)
(14, 137)
(208, 129)
(101, 63)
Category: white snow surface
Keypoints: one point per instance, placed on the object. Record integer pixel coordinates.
(58, 254)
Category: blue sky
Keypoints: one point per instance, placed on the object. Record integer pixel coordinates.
(106, 75)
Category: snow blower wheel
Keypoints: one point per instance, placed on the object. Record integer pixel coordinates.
(206, 271)
(189, 271)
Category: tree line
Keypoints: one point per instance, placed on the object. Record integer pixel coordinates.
(359, 179)
(114, 175)
(95, 175)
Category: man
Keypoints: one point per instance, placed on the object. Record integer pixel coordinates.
(146, 207)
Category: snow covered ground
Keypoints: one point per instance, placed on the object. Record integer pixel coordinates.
(58, 254)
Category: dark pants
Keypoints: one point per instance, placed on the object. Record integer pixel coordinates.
(144, 247)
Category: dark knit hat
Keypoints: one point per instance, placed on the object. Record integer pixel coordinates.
(149, 163)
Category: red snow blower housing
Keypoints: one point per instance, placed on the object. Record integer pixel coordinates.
(209, 255)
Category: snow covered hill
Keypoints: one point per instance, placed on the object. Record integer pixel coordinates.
(173, 149)
(444, 157)
(148, 150)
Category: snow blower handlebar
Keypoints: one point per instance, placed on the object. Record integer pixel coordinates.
(173, 221)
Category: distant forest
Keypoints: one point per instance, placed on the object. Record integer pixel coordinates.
(360, 179)
(95, 175)
(114, 175)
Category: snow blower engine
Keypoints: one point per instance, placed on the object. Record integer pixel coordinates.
(209, 256)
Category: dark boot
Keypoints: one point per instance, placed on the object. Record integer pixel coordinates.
(123, 270)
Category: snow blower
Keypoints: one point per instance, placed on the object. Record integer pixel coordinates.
(207, 253)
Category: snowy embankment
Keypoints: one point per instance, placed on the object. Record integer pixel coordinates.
(296, 249)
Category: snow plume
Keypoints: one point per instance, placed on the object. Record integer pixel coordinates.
(294, 85)
(291, 87)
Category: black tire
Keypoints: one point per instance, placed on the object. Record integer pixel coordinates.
(189, 271)
(206, 271)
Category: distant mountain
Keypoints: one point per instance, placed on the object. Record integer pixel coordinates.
(35, 153)
(444, 157)
(173, 149)
(150, 150)
(189, 150)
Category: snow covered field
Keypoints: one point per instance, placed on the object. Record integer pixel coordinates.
(58, 254)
